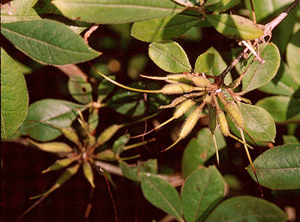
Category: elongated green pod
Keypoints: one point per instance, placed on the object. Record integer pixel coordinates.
(71, 135)
(59, 164)
(222, 122)
(180, 99)
(234, 112)
(201, 81)
(183, 108)
(178, 88)
(190, 122)
(88, 173)
(71, 171)
(52, 147)
(212, 114)
(107, 155)
(108, 133)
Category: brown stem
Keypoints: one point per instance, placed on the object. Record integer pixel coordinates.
(72, 70)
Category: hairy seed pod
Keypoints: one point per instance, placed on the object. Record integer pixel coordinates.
(201, 81)
(71, 171)
(106, 155)
(179, 78)
(178, 88)
(234, 112)
(190, 122)
(183, 108)
(52, 147)
(180, 99)
(59, 164)
(71, 135)
(222, 122)
(212, 112)
(88, 173)
(108, 133)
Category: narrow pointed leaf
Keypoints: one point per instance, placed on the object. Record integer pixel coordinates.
(170, 57)
(161, 194)
(279, 167)
(48, 41)
(46, 117)
(260, 74)
(258, 123)
(14, 96)
(283, 109)
(235, 26)
(116, 11)
(163, 29)
(247, 208)
(202, 191)
(80, 89)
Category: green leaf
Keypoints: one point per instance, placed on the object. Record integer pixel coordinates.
(290, 139)
(283, 83)
(48, 42)
(204, 62)
(199, 150)
(18, 10)
(170, 57)
(80, 89)
(46, 117)
(235, 26)
(202, 191)
(163, 29)
(222, 6)
(293, 56)
(161, 194)
(14, 96)
(211, 3)
(105, 87)
(283, 109)
(258, 123)
(279, 167)
(247, 208)
(260, 74)
(116, 11)
(133, 103)
(93, 120)
(131, 171)
(120, 143)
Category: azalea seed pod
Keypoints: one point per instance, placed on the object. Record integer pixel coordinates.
(180, 99)
(183, 108)
(190, 122)
(52, 147)
(222, 122)
(59, 164)
(212, 113)
(234, 112)
(88, 173)
(172, 78)
(71, 171)
(178, 88)
(71, 135)
(108, 133)
(107, 155)
(201, 81)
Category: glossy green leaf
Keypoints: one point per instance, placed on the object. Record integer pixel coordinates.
(163, 29)
(200, 149)
(105, 88)
(282, 108)
(170, 57)
(161, 194)
(247, 208)
(133, 103)
(14, 96)
(235, 26)
(202, 191)
(48, 42)
(116, 11)
(80, 89)
(119, 144)
(283, 83)
(279, 167)
(260, 74)
(18, 10)
(289, 139)
(222, 6)
(46, 117)
(293, 56)
(204, 62)
(211, 3)
(258, 123)
(131, 171)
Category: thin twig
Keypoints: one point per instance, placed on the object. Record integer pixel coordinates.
(89, 32)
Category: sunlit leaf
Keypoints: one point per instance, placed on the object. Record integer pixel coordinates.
(14, 96)
(204, 62)
(170, 57)
(235, 26)
(247, 208)
(116, 11)
(202, 191)
(161, 194)
(222, 6)
(279, 167)
(293, 56)
(48, 41)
